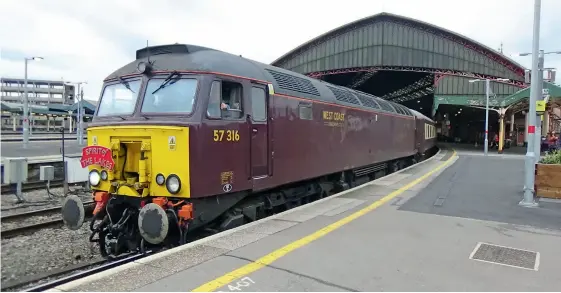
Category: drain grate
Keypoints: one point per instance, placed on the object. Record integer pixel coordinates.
(506, 256)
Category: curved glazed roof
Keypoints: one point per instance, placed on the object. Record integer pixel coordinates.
(385, 15)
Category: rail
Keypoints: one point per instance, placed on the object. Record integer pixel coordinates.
(84, 269)
(30, 186)
(17, 231)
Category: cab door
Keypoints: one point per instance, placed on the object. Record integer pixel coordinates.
(259, 145)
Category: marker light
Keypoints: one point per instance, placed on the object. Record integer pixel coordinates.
(160, 179)
(104, 175)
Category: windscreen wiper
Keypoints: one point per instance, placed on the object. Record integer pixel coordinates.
(166, 81)
(125, 83)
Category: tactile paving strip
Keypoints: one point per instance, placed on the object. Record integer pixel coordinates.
(506, 256)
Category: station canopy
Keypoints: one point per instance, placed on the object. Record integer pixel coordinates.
(519, 98)
(49, 109)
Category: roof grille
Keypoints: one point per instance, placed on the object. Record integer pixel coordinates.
(168, 49)
(294, 83)
(385, 105)
(344, 95)
(367, 101)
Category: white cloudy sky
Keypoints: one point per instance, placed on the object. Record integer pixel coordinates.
(88, 39)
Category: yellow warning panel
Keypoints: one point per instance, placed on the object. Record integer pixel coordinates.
(540, 106)
(171, 143)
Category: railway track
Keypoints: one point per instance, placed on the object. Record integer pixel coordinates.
(50, 223)
(30, 186)
(69, 274)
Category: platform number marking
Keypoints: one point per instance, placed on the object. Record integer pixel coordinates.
(94, 140)
(243, 282)
(171, 143)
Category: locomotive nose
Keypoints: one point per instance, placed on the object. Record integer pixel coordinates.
(73, 213)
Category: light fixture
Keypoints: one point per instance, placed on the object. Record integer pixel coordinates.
(104, 175)
(160, 179)
(173, 184)
(94, 178)
(143, 67)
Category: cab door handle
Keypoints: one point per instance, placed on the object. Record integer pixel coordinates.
(254, 130)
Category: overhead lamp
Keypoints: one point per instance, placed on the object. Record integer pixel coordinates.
(143, 67)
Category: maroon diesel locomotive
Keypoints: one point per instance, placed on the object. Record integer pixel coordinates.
(192, 137)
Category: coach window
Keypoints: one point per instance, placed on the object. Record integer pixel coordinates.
(258, 104)
(225, 100)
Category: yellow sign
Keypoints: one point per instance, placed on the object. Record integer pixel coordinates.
(333, 119)
(227, 177)
(334, 116)
(540, 106)
(171, 143)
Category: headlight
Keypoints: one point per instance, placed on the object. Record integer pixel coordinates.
(104, 175)
(173, 184)
(94, 178)
(160, 179)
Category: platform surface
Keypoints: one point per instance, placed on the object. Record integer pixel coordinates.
(415, 230)
(40, 148)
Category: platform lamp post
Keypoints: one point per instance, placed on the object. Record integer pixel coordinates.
(26, 103)
(529, 168)
(487, 91)
(80, 95)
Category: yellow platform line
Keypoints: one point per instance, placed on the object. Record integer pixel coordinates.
(271, 257)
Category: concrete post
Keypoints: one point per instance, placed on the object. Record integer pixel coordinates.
(14, 121)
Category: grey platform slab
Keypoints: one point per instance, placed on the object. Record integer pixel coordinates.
(484, 188)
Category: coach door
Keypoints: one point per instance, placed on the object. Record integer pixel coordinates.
(259, 146)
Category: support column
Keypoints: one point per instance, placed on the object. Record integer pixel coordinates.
(48, 123)
(70, 124)
(545, 126)
(526, 128)
(512, 126)
(14, 122)
(501, 129)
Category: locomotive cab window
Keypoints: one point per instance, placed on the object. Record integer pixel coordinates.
(258, 104)
(119, 98)
(177, 96)
(225, 100)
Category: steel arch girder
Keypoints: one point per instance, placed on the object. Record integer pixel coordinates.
(441, 72)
